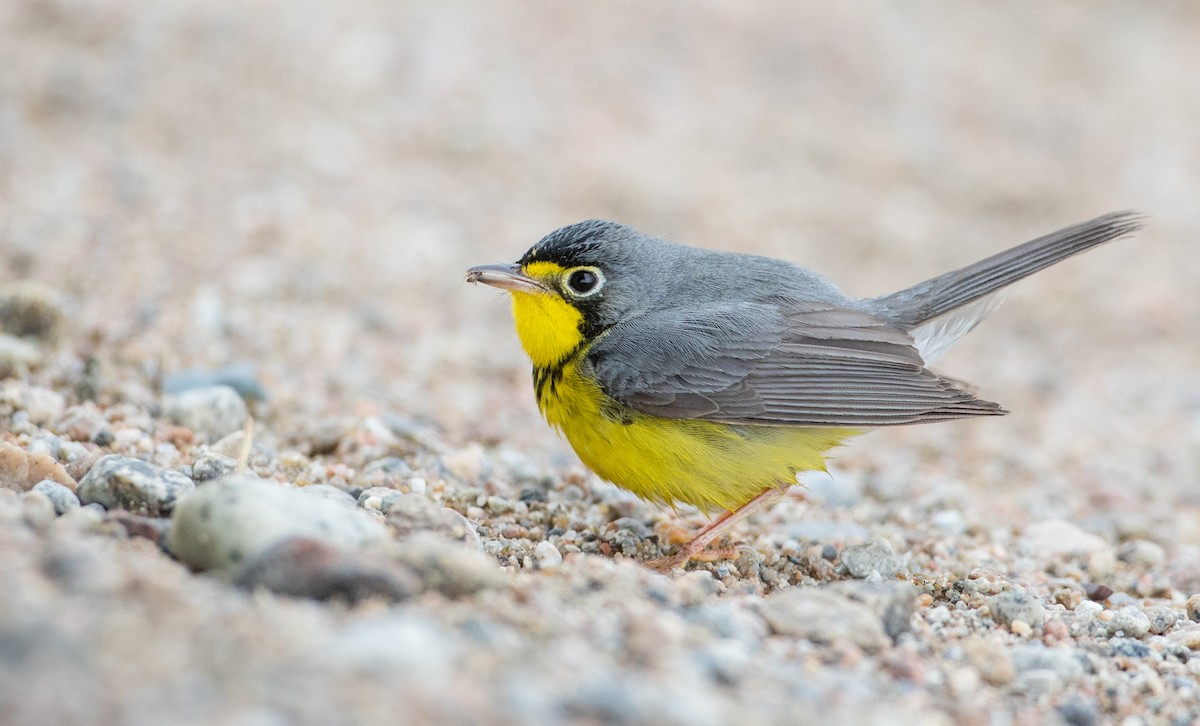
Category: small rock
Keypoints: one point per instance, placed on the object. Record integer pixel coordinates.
(1161, 617)
(330, 493)
(41, 404)
(21, 470)
(17, 356)
(211, 466)
(1130, 622)
(30, 310)
(223, 524)
(950, 522)
(60, 496)
(390, 472)
(1193, 608)
(1015, 605)
(695, 587)
(1075, 711)
(1063, 662)
(215, 411)
(991, 659)
(412, 513)
(133, 484)
(875, 555)
(447, 566)
(1130, 648)
(893, 601)
(1058, 538)
(823, 617)
(547, 555)
(1142, 552)
(37, 510)
(1188, 637)
(306, 567)
(240, 378)
(378, 499)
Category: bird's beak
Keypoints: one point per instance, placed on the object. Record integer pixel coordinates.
(505, 277)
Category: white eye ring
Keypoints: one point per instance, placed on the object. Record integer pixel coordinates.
(584, 281)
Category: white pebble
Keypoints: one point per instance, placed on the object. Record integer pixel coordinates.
(548, 555)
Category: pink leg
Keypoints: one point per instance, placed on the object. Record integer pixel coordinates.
(714, 529)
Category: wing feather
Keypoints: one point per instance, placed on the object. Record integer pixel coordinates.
(788, 363)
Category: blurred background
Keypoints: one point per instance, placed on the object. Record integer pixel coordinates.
(300, 185)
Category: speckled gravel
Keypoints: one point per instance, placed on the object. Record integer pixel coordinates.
(215, 210)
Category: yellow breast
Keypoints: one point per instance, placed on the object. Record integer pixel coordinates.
(711, 466)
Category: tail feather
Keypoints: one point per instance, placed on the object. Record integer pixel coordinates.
(925, 301)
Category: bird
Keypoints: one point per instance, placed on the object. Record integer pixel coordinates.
(712, 378)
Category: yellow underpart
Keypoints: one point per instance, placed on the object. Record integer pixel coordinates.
(712, 466)
(547, 325)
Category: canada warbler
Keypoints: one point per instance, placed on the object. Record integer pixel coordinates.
(713, 378)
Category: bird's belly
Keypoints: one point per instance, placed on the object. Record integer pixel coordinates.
(712, 466)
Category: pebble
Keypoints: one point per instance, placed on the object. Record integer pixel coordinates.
(873, 556)
(1058, 538)
(1064, 662)
(210, 466)
(63, 499)
(1013, 606)
(223, 524)
(330, 493)
(214, 411)
(41, 405)
(240, 378)
(37, 510)
(1193, 608)
(139, 486)
(547, 555)
(307, 567)
(408, 514)
(21, 470)
(1130, 648)
(1089, 608)
(449, 567)
(1130, 622)
(17, 356)
(992, 660)
(1142, 552)
(378, 499)
(695, 587)
(390, 472)
(31, 310)
(1162, 618)
(893, 601)
(823, 617)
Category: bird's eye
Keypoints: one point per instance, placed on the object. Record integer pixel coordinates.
(585, 281)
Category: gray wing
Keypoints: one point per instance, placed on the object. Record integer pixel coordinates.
(789, 364)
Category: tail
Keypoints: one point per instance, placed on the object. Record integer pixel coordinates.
(927, 300)
(920, 308)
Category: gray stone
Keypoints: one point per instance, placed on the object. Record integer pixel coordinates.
(875, 555)
(1130, 622)
(225, 523)
(1142, 552)
(1130, 648)
(893, 601)
(412, 513)
(305, 567)
(1063, 662)
(329, 493)
(1013, 605)
(823, 617)
(133, 484)
(1161, 617)
(240, 378)
(60, 496)
(448, 566)
(378, 499)
(210, 466)
(214, 411)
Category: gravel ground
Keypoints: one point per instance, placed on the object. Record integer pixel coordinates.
(216, 210)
